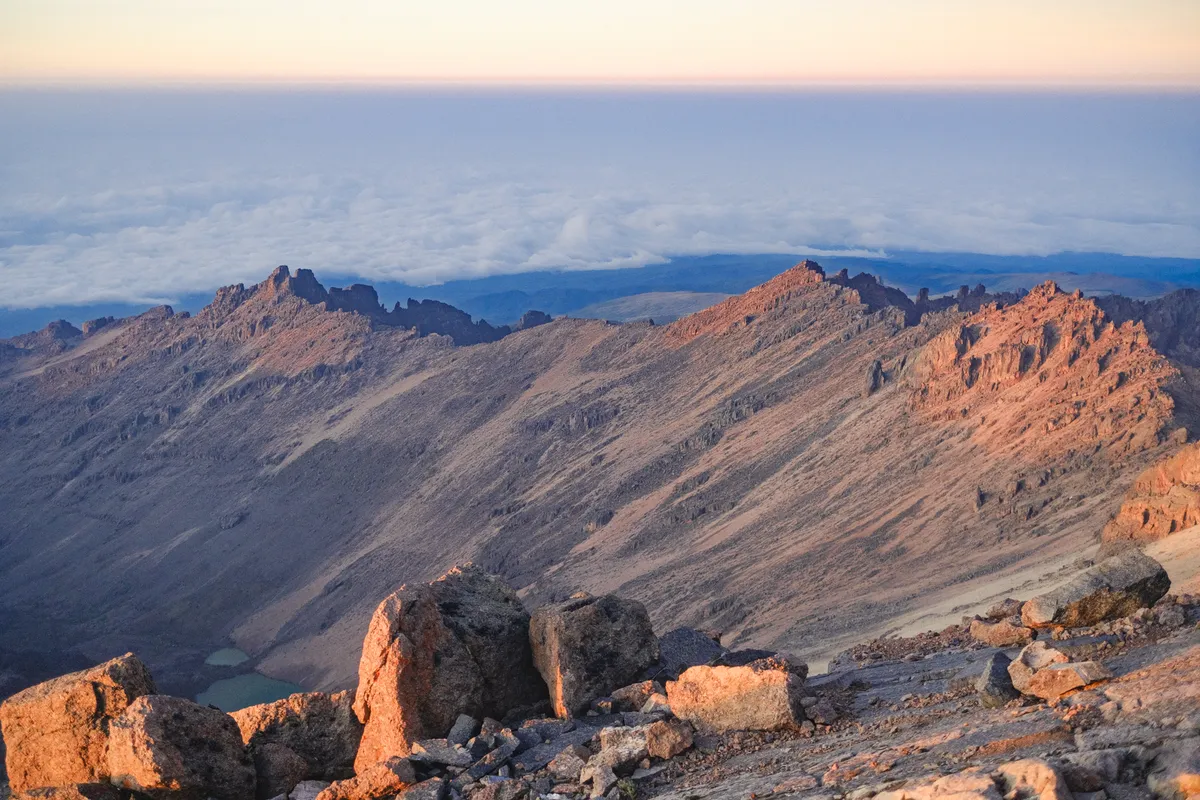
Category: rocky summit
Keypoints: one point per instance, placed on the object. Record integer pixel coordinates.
(1083, 712)
(822, 471)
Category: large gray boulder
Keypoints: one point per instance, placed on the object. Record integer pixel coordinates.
(57, 732)
(168, 747)
(994, 685)
(589, 646)
(1116, 587)
(459, 645)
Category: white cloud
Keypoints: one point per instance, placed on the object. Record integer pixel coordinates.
(150, 208)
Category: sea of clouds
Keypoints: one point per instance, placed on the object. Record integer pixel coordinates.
(146, 196)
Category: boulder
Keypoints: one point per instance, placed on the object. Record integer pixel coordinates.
(383, 779)
(763, 695)
(441, 751)
(1056, 680)
(567, 765)
(994, 685)
(1116, 587)
(1001, 634)
(57, 732)
(463, 729)
(668, 738)
(278, 768)
(634, 696)
(1008, 607)
(1032, 658)
(600, 776)
(319, 728)
(168, 746)
(459, 645)
(589, 646)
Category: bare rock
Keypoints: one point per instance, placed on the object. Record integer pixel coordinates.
(657, 704)
(463, 729)
(383, 779)
(72, 791)
(441, 751)
(319, 728)
(1001, 634)
(994, 685)
(1116, 587)
(1032, 658)
(57, 732)
(1008, 607)
(600, 776)
(170, 746)
(567, 765)
(459, 645)
(763, 695)
(1032, 777)
(307, 790)
(279, 769)
(668, 738)
(683, 648)
(588, 646)
(634, 696)
(1175, 770)
(432, 789)
(1057, 679)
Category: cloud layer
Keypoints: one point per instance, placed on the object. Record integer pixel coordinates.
(147, 196)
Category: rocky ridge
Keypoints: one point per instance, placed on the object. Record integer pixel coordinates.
(268, 468)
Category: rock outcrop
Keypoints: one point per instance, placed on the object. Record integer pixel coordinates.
(57, 733)
(765, 695)
(1116, 587)
(318, 729)
(1054, 352)
(588, 646)
(1163, 500)
(459, 645)
(170, 747)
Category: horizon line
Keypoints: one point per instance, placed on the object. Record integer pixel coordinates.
(1173, 86)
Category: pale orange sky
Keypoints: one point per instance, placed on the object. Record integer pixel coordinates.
(1049, 42)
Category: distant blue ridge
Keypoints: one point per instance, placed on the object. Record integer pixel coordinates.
(501, 299)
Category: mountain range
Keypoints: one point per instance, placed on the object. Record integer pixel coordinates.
(796, 467)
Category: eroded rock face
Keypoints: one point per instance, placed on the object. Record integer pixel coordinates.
(764, 695)
(459, 645)
(57, 732)
(319, 728)
(1116, 587)
(1163, 500)
(162, 745)
(589, 646)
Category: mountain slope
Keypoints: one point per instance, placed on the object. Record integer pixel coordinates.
(793, 467)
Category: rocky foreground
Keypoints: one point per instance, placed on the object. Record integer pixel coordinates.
(1091, 691)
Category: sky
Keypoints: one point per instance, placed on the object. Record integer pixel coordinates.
(785, 42)
(142, 195)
